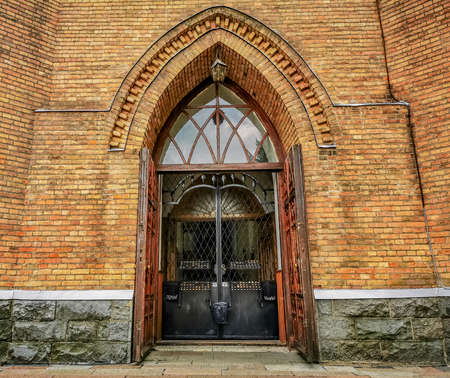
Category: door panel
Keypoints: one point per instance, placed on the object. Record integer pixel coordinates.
(301, 325)
(146, 288)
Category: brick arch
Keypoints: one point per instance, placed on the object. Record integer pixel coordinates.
(289, 121)
(264, 49)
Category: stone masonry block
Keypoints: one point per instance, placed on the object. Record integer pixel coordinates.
(5, 309)
(39, 331)
(89, 353)
(5, 330)
(445, 307)
(336, 328)
(446, 326)
(380, 329)
(447, 349)
(328, 349)
(412, 351)
(415, 307)
(115, 331)
(82, 330)
(3, 352)
(33, 310)
(361, 307)
(324, 306)
(121, 310)
(83, 310)
(29, 353)
(359, 351)
(427, 328)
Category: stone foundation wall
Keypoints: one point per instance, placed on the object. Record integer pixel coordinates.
(65, 332)
(393, 330)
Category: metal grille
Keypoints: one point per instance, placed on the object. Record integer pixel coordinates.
(247, 244)
(195, 286)
(245, 285)
(198, 251)
(246, 231)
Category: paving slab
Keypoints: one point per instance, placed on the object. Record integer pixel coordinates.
(296, 367)
(243, 361)
(168, 363)
(142, 372)
(25, 373)
(230, 365)
(193, 348)
(192, 371)
(390, 372)
(437, 371)
(341, 369)
(118, 366)
(24, 370)
(63, 370)
(254, 372)
(250, 348)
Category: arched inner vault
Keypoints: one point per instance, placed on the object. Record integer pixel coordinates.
(258, 60)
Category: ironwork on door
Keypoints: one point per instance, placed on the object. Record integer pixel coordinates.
(301, 326)
(219, 256)
(146, 288)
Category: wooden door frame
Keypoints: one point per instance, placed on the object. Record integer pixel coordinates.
(146, 261)
(311, 353)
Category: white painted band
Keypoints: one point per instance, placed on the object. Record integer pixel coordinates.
(72, 295)
(380, 293)
(67, 295)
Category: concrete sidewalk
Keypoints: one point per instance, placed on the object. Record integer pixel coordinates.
(214, 360)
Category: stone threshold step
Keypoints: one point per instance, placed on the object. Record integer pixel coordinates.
(222, 342)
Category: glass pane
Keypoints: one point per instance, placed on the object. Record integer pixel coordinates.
(225, 133)
(206, 97)
(255, 120)
(171, 155)
(211, 134)
(178, 124)
(228, 97)
(234, 114)
(235, 153)
(201, 153)
(185, 138)
(250, 135)
(200, 115)
(267, 152)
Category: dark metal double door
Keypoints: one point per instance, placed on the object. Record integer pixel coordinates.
(221, 295)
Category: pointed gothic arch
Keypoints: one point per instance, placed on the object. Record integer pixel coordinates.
(266, 52)
(263, 65)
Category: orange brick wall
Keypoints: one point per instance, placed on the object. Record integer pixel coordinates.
(417, 39)
(27, 35)
(79, 225)
(364, 210)
(98, 41)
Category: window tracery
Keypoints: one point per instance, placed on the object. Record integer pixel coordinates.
(218, 127)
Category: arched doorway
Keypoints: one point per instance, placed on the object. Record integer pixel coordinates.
(213, 265)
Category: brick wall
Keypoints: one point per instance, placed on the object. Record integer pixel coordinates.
(79, 225)
(27, 35)
(364, 211)
(417, 38)
(98, 41)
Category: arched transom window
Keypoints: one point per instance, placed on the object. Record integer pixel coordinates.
(218, 127)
